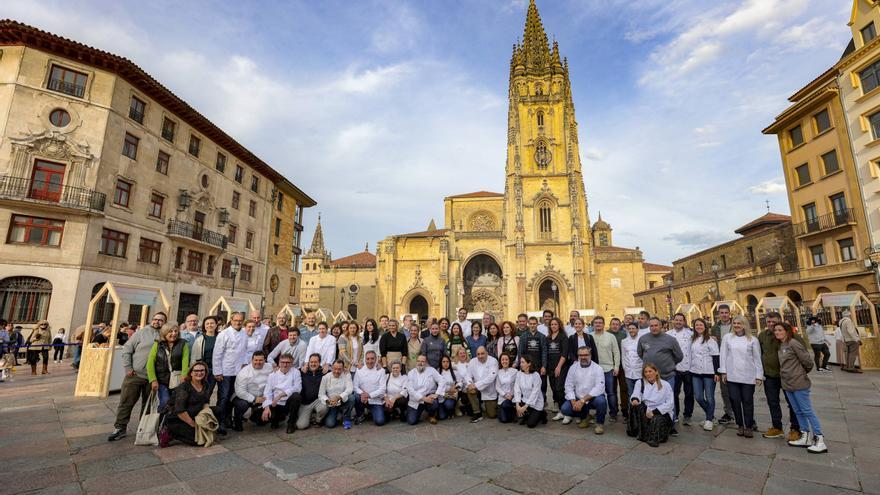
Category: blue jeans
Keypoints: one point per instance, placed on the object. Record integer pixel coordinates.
(631, 387)
(803, 408)
(225, 391)
(164, 395)
(671, 382)
(413, 415)
(376, 410)
(507, 411)
(704, 393)
(332, 412)
(447, 408)
(611, 392)
(77, 355)
(600, 404)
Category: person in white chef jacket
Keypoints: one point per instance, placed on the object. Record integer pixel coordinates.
(425, 390)
(369, 390)
(585, 390)
(527, 396)
(324, 344)
(651, 415)
(482, 371)
(741, 368)
(505, 380)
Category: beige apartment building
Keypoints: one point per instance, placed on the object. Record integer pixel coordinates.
(106, 175)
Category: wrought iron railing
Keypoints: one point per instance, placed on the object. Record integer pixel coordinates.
(185, 229)
(136, 115)
(36, 190)
(67, 88)
(824, 222)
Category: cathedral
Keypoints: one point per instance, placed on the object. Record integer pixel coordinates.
(529, 248)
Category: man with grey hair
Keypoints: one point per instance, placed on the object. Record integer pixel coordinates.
(190, 329)
(260, 328)
(852, 340)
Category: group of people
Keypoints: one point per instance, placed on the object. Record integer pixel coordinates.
(39, 342)
(522, 371)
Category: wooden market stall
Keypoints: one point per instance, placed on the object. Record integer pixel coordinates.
(100, 368)
(857, 304)
(342, 316)
(226, 305)
(690, 312)
(325, 315)
(782, 305)
(294, 313)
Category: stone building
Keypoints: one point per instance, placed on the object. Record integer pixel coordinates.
(106, 175)
(529, 248)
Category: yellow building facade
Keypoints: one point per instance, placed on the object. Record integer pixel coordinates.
(529, 248)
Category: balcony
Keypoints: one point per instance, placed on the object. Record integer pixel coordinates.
(190, 232)
(767, 280)
(50, 193)
(67, 88)
(830, 221)
(136, 115)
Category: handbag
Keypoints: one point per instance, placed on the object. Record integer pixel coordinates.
(149, 422)
(164, 432)
(174, 379)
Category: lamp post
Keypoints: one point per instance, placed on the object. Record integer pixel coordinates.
(669, 295)
(341, 298)
(446, 294)
(233, 270)
(715, 268)
(554, 288)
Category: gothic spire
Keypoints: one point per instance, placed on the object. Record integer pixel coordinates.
(535, 48)
(317, 248)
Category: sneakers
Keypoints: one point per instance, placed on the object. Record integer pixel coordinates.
(432, 420)
(674, 432)
(584, 423)
(725, 419)
(612, 419)
(346, 424)
(118, 434)
(477, 419)
(599, 430)
(358, 420)
(566, 420)
(740, 431)
(794, 435)
(686, 421)
(803, 440)
(558, 416)
(775, 433)
(748, 433)
(708, 425)
(818, 446)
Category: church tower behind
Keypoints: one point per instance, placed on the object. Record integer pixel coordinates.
(547, 228)
(313, 264)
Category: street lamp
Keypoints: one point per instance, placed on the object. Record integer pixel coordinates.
(554, 288)
(669, 294)
(715, 269)
(341, 298)
(446, 293)
(233, 270)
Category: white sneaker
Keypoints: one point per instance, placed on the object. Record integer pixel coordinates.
(558, 416)
(566, 420)
(805, 440)
(818, 446)
(708, 425)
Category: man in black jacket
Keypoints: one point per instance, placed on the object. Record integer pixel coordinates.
(311, 383)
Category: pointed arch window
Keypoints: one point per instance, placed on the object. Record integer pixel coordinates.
(542, 155)
(541, 119)
(545, 220)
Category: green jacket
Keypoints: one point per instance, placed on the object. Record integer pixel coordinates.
(157, 362)
(770, 351)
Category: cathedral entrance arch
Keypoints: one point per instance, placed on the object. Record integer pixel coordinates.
(548, 296)
(483, 285)
(419, 305)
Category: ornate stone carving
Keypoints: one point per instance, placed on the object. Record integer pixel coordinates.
(444, 245)
(485, 301)
(548, 271)
(483, 221)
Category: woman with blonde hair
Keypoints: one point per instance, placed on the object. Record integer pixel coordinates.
(38, 344)
(167, 362)
(741, 368)
(350, 348)
(650, 417)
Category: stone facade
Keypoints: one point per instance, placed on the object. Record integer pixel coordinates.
(105, 175)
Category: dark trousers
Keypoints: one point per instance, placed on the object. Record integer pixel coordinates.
(33, 356)
(333, 411)
(742, 399)
(225, 394)
(181, 431)
(413, 414)
(772, 389)
(506, 412)
(557, 385)
(398, 409)
(532, 417)
(289, 410)
(59, 353)
(240, 406)
(623, 392)
(377, 411)
(132, 389)
(821, 351)
(683, 379)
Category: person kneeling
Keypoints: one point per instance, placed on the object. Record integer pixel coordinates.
(527, 395)
(369, 387)
(193, 420)
(311, 386)
(337, 392)
(650, 417)
(281, 397)
(585, 390)
(249, 386)
(425, 389)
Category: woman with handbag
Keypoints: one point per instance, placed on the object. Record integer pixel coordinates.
(167, 362)
(38, 344)
(650, 417)
(191, 397)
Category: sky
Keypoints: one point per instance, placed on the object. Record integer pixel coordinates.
(378, 109)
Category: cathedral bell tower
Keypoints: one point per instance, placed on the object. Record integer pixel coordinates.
(546, 228)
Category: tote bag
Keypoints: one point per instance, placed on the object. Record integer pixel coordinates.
(149, 422)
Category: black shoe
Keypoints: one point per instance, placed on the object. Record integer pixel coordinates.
(221, 432)
(291, 427)
(674, 432)
(477, 418)
(358, 420)
(118, 434)
(653, 444)
(754, 426)
(274, 426)
(523, 420)
(725, 420)
(237, 426)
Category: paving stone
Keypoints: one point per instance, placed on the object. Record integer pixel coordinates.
(435, 481)
(594, 449)
(487, 489)
(296, 467)
(182, 452)
(392, 465)
(779, 485)
(140, 479)
(262, 453)
(180, 488)
(838, 455)
(740, 480)
(357, 452)
(334, 481)
(827, 475)
(529, 480)
(19, 481)
(201, 466)
(436, 452)
(660, 464)
(65, 489)
(34, 462)
(595, 488)
(482, 468)
(726, 460)
(117, 464)
(870, 482)
(636, 480)
(730, 442)
(685, 485)
(242, 480)
(107, 449)
(383, 489)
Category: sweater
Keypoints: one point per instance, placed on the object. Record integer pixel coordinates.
(794, 364)
(433, 348)
(311, 385)
(392, 343)
(848, 330)
(816, 334)
(662, 351)
(770, 352)
(609, 352)
(534, 345)
(136, 351)
(296, 351)
(575, 342)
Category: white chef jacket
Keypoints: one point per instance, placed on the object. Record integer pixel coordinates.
(581, 381)
(229, 352)
(331, 385)
(632, 363)
(662, 399)
(741, 359)
(483, 376)
(683, 337)
(326, 347)
(251, 382)
(527, 389)
(462, 374)
(287, 383)
(371, 381)
(396, 386)
(701, 356)
(504, 383)
(425, 383)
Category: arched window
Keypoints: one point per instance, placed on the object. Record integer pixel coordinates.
(542, 155)
(24, 299)
(603, 240)
(545, 220)
(541, 118)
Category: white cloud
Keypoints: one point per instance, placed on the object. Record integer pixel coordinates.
(772, 186)
(371, 80)
(595, 154)
(401, 30)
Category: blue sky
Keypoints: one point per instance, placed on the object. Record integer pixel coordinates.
(380, 108)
